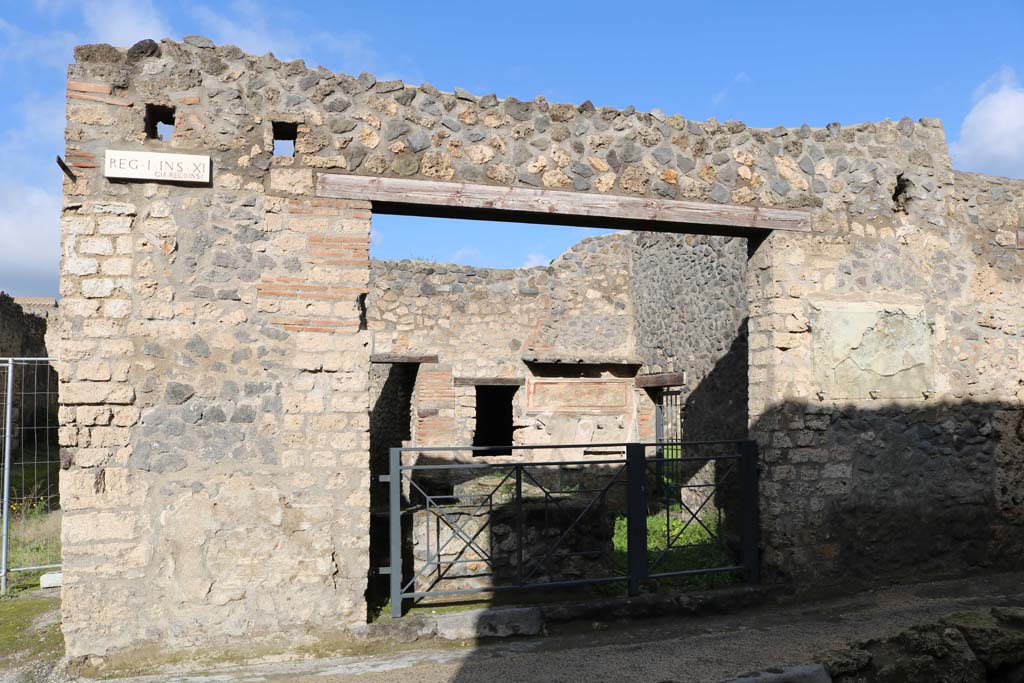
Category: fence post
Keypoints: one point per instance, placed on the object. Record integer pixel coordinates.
(8, 437)
(636, 516)
(520, 524)
(659, 438)
(395, 529)
(749, 503)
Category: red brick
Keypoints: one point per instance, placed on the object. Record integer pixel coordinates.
(117, 101)
(82, 86)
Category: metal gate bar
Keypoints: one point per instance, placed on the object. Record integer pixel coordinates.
(630, 468)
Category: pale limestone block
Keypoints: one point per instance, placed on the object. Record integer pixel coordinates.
(293, 181)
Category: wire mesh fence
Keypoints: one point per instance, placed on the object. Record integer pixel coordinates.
(31, 466)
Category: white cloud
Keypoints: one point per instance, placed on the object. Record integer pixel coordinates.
(29, 223)
(51, 49)
(29, 232)
(352, 52)
(252, 26)
(741, 78)
(466, 255)
(43, 122)
(30, 146)
(124, 22)
(992, 133)
(535, 258)
(244, 24)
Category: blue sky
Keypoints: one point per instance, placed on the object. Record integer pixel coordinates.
(765, 63)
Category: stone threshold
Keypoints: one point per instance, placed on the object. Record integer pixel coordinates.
(483, 623)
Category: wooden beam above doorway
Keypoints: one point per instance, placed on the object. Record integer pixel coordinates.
(663, 379)
(531, 205)
(489, 381)
(402, 358)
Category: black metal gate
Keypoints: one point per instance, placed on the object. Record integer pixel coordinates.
(668, 424)
(560, 516)
(669, 415)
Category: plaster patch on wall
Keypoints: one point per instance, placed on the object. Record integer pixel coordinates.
(868, 350)
(577, 396)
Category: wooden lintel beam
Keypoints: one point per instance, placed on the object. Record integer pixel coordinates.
(401, 358)
(663, 379)
(532, 205)
(489, 381)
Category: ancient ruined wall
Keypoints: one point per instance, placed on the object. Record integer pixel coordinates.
(22, 333)
(885, 370)
(652, 302)
(476, 318)
(215, 384)
(216, 369)
(484, 323)
(690, 297)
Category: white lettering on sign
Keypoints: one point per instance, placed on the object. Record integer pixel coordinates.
(187, 168)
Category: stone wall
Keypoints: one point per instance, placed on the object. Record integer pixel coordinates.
(215, 363)
(691, 311)
(22, 333)
(513, 324)
(391, 390)
(609, 308)
(214, 393)
(486, 322)
(886, 381)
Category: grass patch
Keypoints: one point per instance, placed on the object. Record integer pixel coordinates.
(35, 506)
(680, 547)
(690, 547)
(29, 630)
(35, 539)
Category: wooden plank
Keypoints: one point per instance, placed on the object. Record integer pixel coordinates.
(489, 381)
(663, 379)
(472, 200)
(401, 358)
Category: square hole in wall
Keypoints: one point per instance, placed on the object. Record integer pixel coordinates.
(159, 121)
(284, 138)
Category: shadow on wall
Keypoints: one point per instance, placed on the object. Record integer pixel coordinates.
(859, 496)
(717, 406)
(859, 493)
(392, 387)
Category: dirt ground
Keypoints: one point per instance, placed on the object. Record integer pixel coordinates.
(679, 649)
(683, 650)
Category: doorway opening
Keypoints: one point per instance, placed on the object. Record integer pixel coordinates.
(494, 423)
(517, 355)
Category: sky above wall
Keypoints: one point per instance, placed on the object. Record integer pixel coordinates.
(764, 63)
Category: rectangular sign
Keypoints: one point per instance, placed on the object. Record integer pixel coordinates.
(184, 168)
